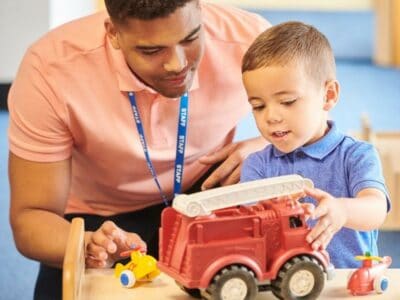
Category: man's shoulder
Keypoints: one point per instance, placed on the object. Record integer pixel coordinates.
(232, 24)
(78, 36)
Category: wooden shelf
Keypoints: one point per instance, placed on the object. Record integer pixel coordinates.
(388, 146)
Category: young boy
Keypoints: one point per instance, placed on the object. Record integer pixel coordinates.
(289, 76)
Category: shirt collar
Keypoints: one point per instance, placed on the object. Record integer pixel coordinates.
(127, 81)
(322, 147)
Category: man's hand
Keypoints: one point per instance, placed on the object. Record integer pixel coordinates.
(332, 215)
(104, 246)
(231, 158)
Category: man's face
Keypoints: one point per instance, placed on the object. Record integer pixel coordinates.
(289, 107)
(164, 52)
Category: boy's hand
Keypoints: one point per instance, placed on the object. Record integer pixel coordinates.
(332, 216)
(105, 244)
(309, 209)
(231, 158)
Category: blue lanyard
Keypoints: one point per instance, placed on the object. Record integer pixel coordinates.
(180, 143)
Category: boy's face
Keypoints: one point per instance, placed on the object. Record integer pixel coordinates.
(164, 52)
(290, 107)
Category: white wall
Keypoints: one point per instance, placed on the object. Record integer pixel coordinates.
(21, 22)
(66, 10)
(301, 4)
(24, 21)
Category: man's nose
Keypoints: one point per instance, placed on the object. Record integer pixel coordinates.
(176, 60)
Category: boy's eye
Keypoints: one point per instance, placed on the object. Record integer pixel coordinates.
(257, 107)
(289, 102)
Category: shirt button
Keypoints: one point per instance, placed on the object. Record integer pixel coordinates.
(300, 154)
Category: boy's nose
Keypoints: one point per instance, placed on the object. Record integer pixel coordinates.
(176, 61)
(272, 116)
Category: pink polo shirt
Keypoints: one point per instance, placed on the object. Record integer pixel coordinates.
(69, 100)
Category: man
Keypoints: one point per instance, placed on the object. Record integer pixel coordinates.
(101, 126)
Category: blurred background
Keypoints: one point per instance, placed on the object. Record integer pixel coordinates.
(365, 36)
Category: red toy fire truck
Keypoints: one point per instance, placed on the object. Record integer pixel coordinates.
(216, 247)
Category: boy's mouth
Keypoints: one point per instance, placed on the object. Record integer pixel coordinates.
(279, 134)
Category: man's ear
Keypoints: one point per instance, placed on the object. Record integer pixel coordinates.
(112, 33)
(331, 94)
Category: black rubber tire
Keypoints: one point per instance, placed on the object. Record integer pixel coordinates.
(280, 286)
(195, 293)
(233, 271)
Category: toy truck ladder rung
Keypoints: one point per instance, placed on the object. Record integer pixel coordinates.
(203, 203)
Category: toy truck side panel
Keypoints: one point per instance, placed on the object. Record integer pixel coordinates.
(210, 241)
(294, 230)
(217, 258)
(225, 241)
(228, 260)
(167, 234)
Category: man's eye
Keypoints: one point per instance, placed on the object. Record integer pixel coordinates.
(150, 52)
(189, 40)
(289, 102)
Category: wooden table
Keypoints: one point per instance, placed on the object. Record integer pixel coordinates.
(97, 284)
(101, 284)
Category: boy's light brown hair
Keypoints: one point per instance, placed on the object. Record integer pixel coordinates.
(292, 42)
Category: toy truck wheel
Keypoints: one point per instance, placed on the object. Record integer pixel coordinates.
(195, 293)
(300, 278)
(381, 284)
(234, 283)
(127, 278)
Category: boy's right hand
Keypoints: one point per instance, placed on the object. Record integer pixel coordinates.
(331, 214)
(105, 244)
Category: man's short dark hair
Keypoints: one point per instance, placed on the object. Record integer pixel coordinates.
(120, 10)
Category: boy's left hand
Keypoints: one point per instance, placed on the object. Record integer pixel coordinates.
(332, 216)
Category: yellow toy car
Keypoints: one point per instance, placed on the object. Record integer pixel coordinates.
(142, 267)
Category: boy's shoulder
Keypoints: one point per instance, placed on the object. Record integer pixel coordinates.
(352, 145)
(354, 153)
(264, 154)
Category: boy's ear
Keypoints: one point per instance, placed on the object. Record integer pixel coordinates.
(112, 33)
(331, 94)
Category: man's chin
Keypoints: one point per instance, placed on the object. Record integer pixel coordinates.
(174, 92)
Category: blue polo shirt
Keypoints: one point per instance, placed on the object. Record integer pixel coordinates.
(337, 164)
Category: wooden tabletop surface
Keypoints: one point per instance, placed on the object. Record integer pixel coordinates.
(101, 284)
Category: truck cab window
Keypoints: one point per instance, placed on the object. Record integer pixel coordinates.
(295, 221)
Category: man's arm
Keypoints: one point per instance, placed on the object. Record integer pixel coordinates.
(39, 193)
